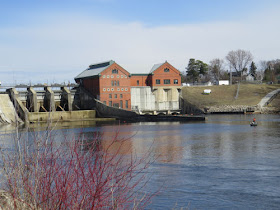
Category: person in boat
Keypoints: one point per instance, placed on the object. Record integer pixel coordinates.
(254, 122)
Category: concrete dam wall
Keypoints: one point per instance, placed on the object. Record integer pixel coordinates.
(8, 113)
(155, 100)
(45, 105)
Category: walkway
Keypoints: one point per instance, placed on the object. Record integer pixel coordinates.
(268, 98)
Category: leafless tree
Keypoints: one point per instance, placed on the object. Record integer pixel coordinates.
(216, 68)
(263, 65)
(239, 59)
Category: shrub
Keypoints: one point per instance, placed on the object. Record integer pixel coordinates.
(76, 173)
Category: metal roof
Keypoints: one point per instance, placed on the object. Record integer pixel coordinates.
(136, 74)
(94, 69)
(155, 67)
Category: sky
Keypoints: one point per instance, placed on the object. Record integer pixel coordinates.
(52, 41)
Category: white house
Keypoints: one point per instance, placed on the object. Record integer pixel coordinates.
(250, 77)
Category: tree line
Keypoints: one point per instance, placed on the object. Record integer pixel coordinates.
(238, 63)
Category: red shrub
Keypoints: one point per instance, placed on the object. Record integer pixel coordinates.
(75, 174)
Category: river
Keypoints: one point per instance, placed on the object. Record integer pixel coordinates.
(222, 163)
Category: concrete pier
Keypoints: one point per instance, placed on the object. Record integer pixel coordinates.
(49, 103)
(31, 101)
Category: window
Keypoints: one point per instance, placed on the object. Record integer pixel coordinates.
(121, 103)
(125, 89)
(108, 76)
(116, 96)
(115, 71)
(104, 102)
(118, 89)
(167, 81)
(121, 96)
(126, 104)
(104, 76)
(104, 89)
(166, 70)
(112, 89)
(175, 81)
(115, 83)
(110, 95)
(137, 82)
(110, 103)
(108, 89)
(112, 76)
(158, 81)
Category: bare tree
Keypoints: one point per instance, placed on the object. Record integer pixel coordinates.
(216, 68)
(239, 60)
(263, 65)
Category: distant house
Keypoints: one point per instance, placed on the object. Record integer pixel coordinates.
(250, 77)
(235, 74)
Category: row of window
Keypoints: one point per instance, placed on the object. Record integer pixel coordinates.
(118, 89)
(115, 95)
(118, 105)
(166, 81)
(112, 76)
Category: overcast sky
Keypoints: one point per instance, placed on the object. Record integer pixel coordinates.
(54, 40)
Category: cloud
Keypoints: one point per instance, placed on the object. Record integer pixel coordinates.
(65, 45)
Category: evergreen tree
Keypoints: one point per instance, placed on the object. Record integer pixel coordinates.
(195, 68)
(253, 68)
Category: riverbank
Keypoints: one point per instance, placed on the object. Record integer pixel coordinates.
(230, 99)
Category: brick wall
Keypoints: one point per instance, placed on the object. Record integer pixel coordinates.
(115, 87)
(165, 73)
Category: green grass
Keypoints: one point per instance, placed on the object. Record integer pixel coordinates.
(249, 94)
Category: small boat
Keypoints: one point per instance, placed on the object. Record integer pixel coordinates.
(253, 123)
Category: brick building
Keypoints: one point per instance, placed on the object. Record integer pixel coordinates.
(160, 92)
(114, 86)
(108, 82)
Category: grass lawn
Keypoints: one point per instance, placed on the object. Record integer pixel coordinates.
(249, 94)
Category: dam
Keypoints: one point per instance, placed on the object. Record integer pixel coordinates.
(44, 104)
(62, 103)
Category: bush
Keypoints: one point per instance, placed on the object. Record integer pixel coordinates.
(77, 173)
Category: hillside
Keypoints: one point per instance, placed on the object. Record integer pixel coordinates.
(249, 95)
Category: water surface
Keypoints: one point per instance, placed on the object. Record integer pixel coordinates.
(222, 163)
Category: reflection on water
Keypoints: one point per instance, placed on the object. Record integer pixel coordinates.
(217, 164)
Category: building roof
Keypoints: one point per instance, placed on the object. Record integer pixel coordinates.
(136, 74)
(155, 67)
(94, 69)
